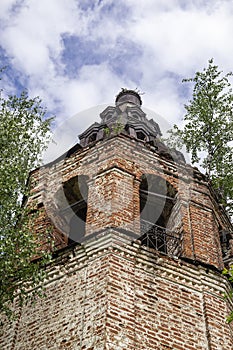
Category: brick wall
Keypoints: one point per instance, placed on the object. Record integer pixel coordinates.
(111, 293)
(114, 168)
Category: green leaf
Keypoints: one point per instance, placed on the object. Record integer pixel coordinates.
(24, 134)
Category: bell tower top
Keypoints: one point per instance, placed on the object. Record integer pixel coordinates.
(130, 96)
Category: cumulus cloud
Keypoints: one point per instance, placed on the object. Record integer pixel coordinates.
(76, 54)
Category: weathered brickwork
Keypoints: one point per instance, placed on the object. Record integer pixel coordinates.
(114, 168)
(123, 285)
(110, 294)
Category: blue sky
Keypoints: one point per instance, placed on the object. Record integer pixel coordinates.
(78, 54)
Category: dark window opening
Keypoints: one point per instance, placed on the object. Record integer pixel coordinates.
(127, 129)
(92, 137)
(157, 199)
(225, 237)
(153, 143)
(76, 193)
(141, 136)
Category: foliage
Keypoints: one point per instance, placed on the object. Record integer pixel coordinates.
(118, 127)
(208, 134)
(229, 273)
(24, 133)
(115, 128)
(107, 131)
(208, 129)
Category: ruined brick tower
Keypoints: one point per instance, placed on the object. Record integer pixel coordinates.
(140, 240)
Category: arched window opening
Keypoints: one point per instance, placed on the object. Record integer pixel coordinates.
(225, 238)
(157, 200)
(76, 193)
(141, 136)
(127, 129)
(92, 137)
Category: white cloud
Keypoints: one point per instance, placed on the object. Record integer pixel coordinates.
(149, 44)
(33, 34)
(180, 40)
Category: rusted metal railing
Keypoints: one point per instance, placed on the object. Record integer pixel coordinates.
(160, 239)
